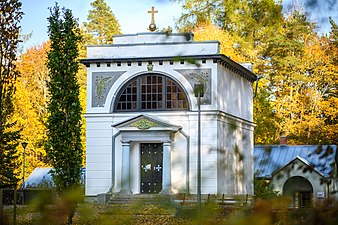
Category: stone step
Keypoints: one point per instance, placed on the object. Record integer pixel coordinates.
(140, 199)
(180, 199)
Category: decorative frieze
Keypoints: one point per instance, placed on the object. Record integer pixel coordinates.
(144, 124)
(199, 76)
(101, 83)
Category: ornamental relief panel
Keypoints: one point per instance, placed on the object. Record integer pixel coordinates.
(144, 124)
(101, 84)
(199, 76)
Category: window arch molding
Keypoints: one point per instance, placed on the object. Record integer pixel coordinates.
(151, 92)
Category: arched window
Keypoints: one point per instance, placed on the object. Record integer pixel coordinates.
(151, 92)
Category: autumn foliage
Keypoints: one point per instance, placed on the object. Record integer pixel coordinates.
(297, 91)
(298, 69)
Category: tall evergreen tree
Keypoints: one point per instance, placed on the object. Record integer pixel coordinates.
(248, 25)
(289, 82)
(10, 17)
(330, 113)
(334, 41)
(250, 22)
(334, 32)
(9, 38)
(64, 148)
(102, 23)
(198, 12)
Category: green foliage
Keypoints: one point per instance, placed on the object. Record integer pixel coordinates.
(262, 212)
(298, 79)
(334, 41)
(334, 32)
(249, 22)
(10, 165)
(297, 92)
(283, 59)
(263, 189)
(102, 23)
(64, 148)
(265, 118)
(251, 18)
(198, 12)
(9, 136)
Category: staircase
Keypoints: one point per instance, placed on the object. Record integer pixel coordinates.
(140, 199)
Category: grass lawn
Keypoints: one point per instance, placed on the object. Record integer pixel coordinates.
(261, 213)
(90, 213)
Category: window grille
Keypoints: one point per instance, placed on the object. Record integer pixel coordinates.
(151, 92)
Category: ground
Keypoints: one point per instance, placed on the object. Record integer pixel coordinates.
(263, 212)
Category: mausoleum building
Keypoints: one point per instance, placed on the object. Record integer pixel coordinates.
(142, 117)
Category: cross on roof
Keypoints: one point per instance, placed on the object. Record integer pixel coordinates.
(153, 11)
(152, 26)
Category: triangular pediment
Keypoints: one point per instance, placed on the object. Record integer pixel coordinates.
(146, 122)
(306, 166)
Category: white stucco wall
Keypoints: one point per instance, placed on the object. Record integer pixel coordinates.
(234, 98)
(297, 168)
(152, 45)
(235, 156)
(208, 153)
(98, 154)
(234, 94)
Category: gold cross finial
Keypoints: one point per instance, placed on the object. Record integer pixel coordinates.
(152, 26)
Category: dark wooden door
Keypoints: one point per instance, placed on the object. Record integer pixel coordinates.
(151, 168)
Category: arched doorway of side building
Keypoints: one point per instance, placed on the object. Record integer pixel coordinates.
(301, 191)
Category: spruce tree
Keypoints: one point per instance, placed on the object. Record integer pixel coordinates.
(102, 23)
(334, 41)
(9, 138)
(11, 15)
(63, 146)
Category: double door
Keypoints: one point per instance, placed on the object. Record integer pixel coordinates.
(151, 168)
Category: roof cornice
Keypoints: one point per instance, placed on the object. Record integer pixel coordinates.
(218, 58)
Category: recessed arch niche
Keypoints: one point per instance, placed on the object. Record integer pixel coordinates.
(151, 92)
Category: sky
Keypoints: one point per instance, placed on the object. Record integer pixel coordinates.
(133, 14)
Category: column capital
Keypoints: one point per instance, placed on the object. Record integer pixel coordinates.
(125, 143)
(167, 143)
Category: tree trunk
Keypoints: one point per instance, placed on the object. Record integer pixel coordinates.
(14, 206)
(70, 216)
(1, 208)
